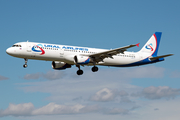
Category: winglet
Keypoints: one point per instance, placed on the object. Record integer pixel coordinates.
(137, 44)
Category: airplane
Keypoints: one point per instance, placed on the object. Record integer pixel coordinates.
(65, 56)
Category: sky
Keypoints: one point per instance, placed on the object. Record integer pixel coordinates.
(39, 92)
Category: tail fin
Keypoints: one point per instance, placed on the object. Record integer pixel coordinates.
(152, 44)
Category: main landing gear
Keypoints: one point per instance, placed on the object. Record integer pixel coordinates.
(94, 69)
(80, 72)
(25, 65)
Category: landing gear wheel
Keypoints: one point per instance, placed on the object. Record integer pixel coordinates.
(79, 72)
(25, 65)
(94, 69)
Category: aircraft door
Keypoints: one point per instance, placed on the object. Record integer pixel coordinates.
(61, 53)
(28, 46)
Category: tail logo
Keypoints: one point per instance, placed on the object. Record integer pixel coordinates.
(38, 48)
(149, 47)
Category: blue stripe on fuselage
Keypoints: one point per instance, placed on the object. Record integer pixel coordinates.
(142, 62)
(85, 62)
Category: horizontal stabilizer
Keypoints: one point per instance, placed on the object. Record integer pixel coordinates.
(155, 58)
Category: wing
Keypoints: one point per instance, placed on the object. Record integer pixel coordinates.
(97, 57)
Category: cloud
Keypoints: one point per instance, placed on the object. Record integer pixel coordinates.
(118, 111)
(32, 76)
(159, 109)
(143, 72)
(125, 73)
(24, 109)
(102, 86)
(158, 92)
(109, 89)
(156, 109)
(53, 108)
(106, 95)
(90, 109)
(53, 75)
(3, 78)
(50, 75)
(28, 109)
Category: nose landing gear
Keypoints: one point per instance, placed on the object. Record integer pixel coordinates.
(25, 65)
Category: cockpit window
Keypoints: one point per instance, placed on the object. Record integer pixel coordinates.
(16, 46)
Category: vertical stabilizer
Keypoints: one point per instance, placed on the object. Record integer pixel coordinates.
(152, 44)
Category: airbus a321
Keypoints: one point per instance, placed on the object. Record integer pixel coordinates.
(65, 56)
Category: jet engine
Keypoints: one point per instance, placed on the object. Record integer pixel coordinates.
(82, 60)
(57, 65)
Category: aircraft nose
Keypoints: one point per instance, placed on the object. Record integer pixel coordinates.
(8, 51)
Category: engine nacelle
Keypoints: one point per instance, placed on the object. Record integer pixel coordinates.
(60, 65)
(82, 60)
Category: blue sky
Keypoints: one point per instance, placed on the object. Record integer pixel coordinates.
(39, 92)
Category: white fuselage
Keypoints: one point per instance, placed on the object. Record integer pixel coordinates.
(64, 56)
(65, 53)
